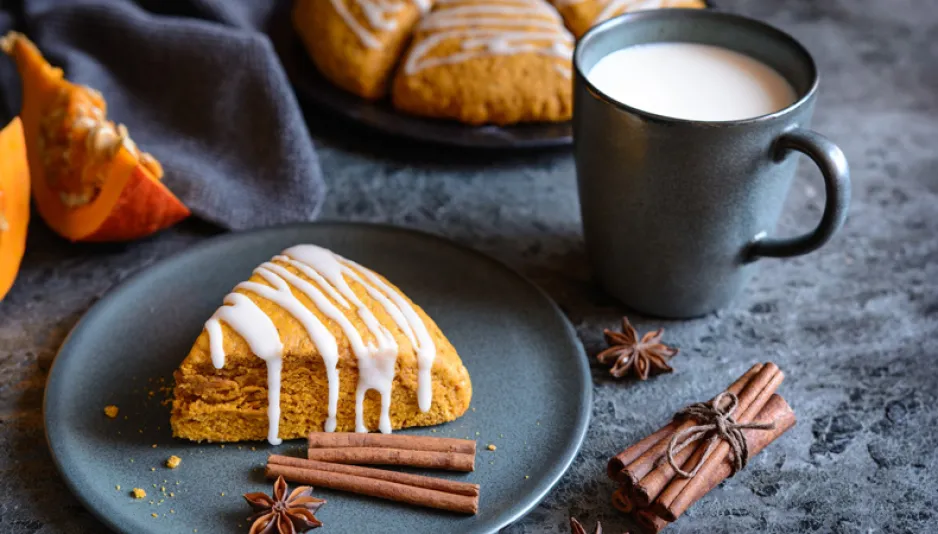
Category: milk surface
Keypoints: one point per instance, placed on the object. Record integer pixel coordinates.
(692, 81)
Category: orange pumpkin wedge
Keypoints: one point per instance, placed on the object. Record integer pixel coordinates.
(89, 180)
(14, 202)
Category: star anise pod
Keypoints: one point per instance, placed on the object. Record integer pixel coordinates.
(284, 514)
(577, 528)
(643, 357)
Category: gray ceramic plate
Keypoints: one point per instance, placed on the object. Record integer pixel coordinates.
(531, 387)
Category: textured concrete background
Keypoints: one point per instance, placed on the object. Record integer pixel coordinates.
(853, 325)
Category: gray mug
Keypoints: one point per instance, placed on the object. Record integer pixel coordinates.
(675, 212)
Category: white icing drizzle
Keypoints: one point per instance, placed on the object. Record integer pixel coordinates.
(259, 332)
(379, 16)
(412, 325)
(491, 28)
(329, 290)
(281, 295)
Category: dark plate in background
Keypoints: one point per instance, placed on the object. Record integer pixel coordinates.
(311, 87)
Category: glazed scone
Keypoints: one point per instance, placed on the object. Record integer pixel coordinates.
(316, 342)
(357, 43)
(581, 15)
(488, 61)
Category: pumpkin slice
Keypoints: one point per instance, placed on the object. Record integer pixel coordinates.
(14, 202)
(89, 179)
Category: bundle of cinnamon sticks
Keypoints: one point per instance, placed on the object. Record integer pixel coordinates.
(334, 461)
(655, 494)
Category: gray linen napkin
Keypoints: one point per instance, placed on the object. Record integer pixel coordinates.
(200, 87)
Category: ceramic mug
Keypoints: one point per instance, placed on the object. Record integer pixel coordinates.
(675, 212)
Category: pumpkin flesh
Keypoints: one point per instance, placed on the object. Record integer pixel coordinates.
(89, 179)
(14, 202)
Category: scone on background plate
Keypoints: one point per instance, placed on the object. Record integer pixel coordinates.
(488, 61)
(581, 15)
(357, 43)
(315, 342)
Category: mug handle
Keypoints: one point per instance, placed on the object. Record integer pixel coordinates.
(833, 165)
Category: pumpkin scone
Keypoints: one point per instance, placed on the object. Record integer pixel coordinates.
(488, 61)
(313, 342)
(357, 43)
(581, 15)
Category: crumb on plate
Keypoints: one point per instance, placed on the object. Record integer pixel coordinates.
(139, 493)
(173, 462)
(111, 411)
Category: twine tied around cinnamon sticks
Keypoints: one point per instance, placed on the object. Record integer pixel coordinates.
(652, 490)
(716, 421)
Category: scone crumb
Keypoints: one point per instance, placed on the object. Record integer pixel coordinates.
(154, 515)
(111, 411)
(117, 487)
(173, 462)
(139, 493)
(153, 469)
(491, 447)
(154, 445)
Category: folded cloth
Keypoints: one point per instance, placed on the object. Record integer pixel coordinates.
(199, 86)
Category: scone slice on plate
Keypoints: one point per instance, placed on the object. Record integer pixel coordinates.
(488, 61)
(311, 342)
(357, 43)
(581, 15)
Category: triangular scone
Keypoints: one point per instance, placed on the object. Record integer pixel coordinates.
(357, 43)
(331, 323)
(488, 61)
(581, 15)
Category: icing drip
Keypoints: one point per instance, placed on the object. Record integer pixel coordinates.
(281, 295)
(410, 323)
(259, 332)
(327, 286)
(491, 28)
(379, 16)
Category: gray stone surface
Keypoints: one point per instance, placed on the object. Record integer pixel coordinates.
(853, 325)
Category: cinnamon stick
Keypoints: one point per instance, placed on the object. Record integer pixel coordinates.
(751, 401)
(648, 522)
(682, 493)
(452, 461)
(373, 487)
(621, 501)
(745, 387)
(440, 484)
(618, 462)
(334, 440)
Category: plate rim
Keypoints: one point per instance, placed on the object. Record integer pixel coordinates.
(569, 454)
